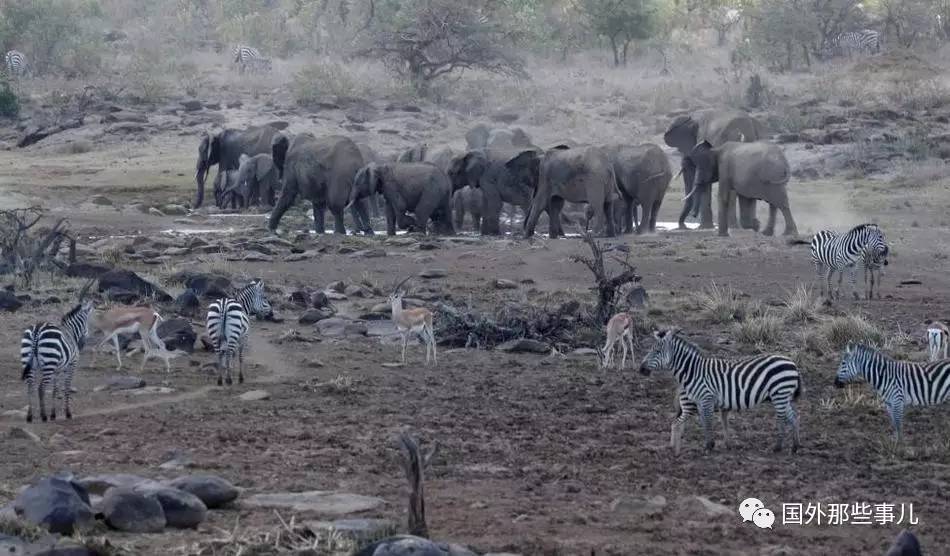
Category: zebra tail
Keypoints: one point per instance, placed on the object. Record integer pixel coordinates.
(30, 362)
(799, 389)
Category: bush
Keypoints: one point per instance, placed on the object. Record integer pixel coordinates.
(801, 305)
(722, 304)
(321, 79)
(760, 331)
(852, 329)
(9, 102)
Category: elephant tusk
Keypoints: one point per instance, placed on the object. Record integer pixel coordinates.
(678, 174)
(686, 198)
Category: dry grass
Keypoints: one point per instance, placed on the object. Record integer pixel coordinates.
(721, 304)
(801, 305)
(761, 331)
(851, 329)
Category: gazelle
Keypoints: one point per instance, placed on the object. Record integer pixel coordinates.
(129, 320)
(619, 329)
(938, 338)
(413, 321)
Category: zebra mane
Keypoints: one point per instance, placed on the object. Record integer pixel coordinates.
(862, 227)
(866, 350)
(72, 313)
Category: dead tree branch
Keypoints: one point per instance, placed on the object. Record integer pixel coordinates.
(414, 464)
(608, 286)
(22, 251)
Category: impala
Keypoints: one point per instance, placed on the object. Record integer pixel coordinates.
(619, 329)
(413, 321)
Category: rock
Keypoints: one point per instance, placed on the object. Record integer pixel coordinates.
(86, 270)
(182, 510)
(121, 295)
(318, 501)
(9, 302)
(149, 390)
(430, 273)
(313, 316)
(319, 300)
(359, 531)
(638, 297)
(188, 303)
(427, 246)
(59, 505)
(101, 200)
(205, 285)
(635, 505)
(569, 307)
(700, 507)
(191, 105)
(357, 291)
(20, 433)
(177, 333)
(333, 296)
(17, 414)
(524, 345)
(155, 212)
(99, 484)
(133, 512)
(122, 383)
(174, 210)
(213, 491)
(335, 327)
(502, 284)
(584, 352)
(254, 396)
(408, 545)
(130, 281)
(906, 544)
(369, 253)
(338, 286)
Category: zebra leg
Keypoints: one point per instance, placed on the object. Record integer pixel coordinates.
(724, 416)
(241, 363)
(820, 271)
(895, 409)
(228, 361)
(687, 408)
(220, 369)
(852, 277)
(840, 280)
(67, 388)
(707, 409)
(779, 430)
(55, 398)
(41, 392)
(118, 357)
(29, 397)
(793, 423)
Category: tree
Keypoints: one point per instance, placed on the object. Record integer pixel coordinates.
(620, 22)
(428, 39)
(909, 20)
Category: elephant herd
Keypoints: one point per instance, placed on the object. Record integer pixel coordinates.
(622, 185)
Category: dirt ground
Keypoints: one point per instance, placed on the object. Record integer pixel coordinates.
(538, 454)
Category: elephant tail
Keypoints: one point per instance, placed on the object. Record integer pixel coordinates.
(278, 148)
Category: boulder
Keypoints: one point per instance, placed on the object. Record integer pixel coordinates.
(317, 501)
(213, 491)
(174, 210)
(86, 270)
(9, 302)
(335, 327)
(122, 383)
(254, 396)
(121, 295)
(188, 303)
(60, 505)
(101, 200)
(133, 512)
(906, 544)
(182, 510)
(503, 284)
(130, 281)
(408, 545)
(99, 484)
(359, 531)
(319, 300)
(177, 334)
(430, 273)
(192, 105)
(205, 285)
(524, 345)
(313, 316)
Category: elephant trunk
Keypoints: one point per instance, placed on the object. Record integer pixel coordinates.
(287, 196)
(279, 147)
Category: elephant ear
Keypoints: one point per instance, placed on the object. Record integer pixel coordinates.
(474, 164)
(527, 163)
(279, 146)
(682, 133)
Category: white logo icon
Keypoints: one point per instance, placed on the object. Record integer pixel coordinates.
(748, 507)
(763, 518)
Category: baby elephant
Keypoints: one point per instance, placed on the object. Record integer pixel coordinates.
(467, 200)
(417, 187)
(254, 182)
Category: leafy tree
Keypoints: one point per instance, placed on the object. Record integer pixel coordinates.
(621, 22)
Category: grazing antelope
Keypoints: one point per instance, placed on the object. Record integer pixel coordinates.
(619, 329)
(938, 338)
(409, 321)
(129, 320)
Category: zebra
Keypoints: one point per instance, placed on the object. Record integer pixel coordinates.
(707, 383)
(247, 57)
(899, 383)
(832, 253)
(54, 349)
(16, 63)
(227, 325)
(874, 262)
(864, 41)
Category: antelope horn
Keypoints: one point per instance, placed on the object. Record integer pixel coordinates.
(399, 285)
(85, 289)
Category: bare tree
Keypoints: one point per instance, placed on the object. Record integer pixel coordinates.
(608, 285)
(621, 22)
(23, 251)
(414, 462)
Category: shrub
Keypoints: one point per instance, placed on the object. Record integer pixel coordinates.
(801, 305)
(9, 102)
(721, 304)
(760, 331)
(321, 79)
(841, 331)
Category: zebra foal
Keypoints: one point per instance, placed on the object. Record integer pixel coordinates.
(227, 325)
(16, 63)
(874, 262)
(247, 57)
(52, 350)
(832, 252)
(899, 383)
(710, 383)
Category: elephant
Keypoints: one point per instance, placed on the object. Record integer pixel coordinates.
(482, 137)
(441, 158)
(716, 126)
(369, 155)
(643, 176)
(504, 175)
(468, 199)
(416, 187)
(254, 182)
(746, 172)
(322, 171)
(225, 149)
(416, 153)
(581, 175)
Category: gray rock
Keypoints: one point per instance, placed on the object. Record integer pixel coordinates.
(584, 352)
(338, 286)
(122, 383)
(503, 284)
(360, 531)
(357, 291)
(524, 345)
(430, 273)
(99, 484)
(906, 544)
(174, 210)
(182, 510)
(155, 212)
(130, 281)
(636, 505)
(254, 396)
(9, 302)
(213, 491)
(59, 505)
(101, 200)
(188, 303)
(127, 510)
(177, 334)
(319, 300)
(701, 507)
(313, 316)
(318, 501)
(21, 433)
(192, 105)
(336, 327)
(408, 545)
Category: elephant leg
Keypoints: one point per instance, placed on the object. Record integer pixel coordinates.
(361, 217)
(724, 203)
(790, 228)
(554, 217)
(655, 210)
(607, 208)
(746, 214)
(705, 198)
(629, 215)
(319, 216)
(734, 212)
(491, 213)
(770, 224)
(339, 227)
(390, 220)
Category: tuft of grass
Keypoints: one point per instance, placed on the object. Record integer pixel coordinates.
(841, 331)
(22, 529)
(853, 396)
(801, 305)
(721, 304)
(761, 331)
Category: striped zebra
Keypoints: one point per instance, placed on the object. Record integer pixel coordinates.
(52, 350)
(899, 383)
(874, 262)
(249, 58)
(16, 63)
(865, 41)
(832, 253)
(227, 325)
(709, 383)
